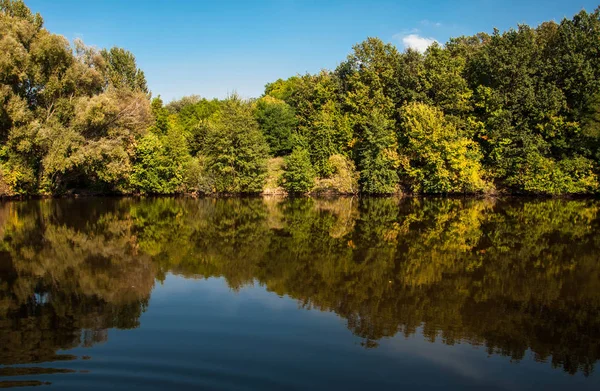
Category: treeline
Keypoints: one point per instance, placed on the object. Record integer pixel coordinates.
(511, 112)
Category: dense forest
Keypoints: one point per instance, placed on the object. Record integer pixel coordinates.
(505, 112)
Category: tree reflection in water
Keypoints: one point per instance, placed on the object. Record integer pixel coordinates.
(510, 275)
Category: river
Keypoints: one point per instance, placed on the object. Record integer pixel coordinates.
(284, 294)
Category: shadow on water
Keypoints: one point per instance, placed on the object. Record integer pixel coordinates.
(510, 275)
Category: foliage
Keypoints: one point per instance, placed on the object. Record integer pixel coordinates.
(277, 122)
(378, 155)
(519, 108)
(159, 163)
(235, 150)
(370, 80)
(322, 126)
(196, 178)
(69, 115)
(191, 116)
(122, 71)
(343, 179)
(443, 81)
(275, 171)
(542, 175)
(299, 175)
(435, 158)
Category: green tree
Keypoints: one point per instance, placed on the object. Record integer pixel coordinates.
(159, 163)
(191, 116)
(370, 85)
(121, 70)
(277, 121)
(160, 116)
(299, 175)
(434, 157)
(323, 127)
(61, 128)
(377, 154)
(235, 150)
(443, 81)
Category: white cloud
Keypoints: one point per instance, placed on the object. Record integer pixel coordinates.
(415, 41)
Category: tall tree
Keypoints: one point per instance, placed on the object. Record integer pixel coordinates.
(235, 149)
(122, 71)
(370, 86)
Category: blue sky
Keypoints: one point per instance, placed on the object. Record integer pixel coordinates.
(212, 48)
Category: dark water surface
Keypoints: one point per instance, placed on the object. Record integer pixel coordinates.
(261, 294)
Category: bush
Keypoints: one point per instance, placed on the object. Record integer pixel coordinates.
(195, 178)
(275, 171)
(343, 180)
(542, 175)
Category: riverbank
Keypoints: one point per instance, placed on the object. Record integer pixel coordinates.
(283, 195)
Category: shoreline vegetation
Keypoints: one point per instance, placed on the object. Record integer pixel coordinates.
(504, 113)
(320, 195)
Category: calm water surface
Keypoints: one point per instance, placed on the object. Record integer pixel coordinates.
(261, 294)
